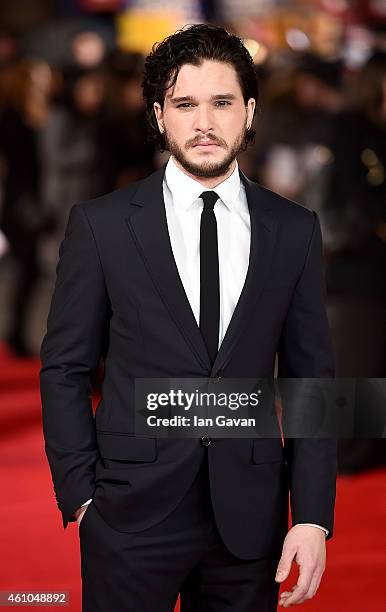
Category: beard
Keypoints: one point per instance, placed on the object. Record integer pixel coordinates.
(206, 168)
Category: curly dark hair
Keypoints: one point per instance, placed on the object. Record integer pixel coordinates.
(191, 45)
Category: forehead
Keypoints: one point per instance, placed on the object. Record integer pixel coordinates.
(206, 80)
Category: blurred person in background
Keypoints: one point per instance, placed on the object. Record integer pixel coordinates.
(354, 226)
(291, 144)
(76, 143)
(133, 154)
(354, 221)
(26, 96)
(9, 49)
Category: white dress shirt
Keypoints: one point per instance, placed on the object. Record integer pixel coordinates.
(183, 207)
(183, 211)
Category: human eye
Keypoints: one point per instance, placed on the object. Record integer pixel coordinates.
(184, 105)
(222, 103)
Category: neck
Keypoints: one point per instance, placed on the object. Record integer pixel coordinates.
(209, 182)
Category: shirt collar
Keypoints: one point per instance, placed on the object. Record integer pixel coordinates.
(186, 190)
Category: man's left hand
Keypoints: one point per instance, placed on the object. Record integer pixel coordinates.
(308, 546)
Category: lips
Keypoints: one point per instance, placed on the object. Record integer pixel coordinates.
(206, 144)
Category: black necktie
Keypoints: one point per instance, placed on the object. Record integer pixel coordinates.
(209, 275)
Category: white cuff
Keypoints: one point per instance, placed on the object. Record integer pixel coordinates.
(326, 531)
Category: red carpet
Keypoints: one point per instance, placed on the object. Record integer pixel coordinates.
(37, 554)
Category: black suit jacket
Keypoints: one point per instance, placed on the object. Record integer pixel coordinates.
(118, 296)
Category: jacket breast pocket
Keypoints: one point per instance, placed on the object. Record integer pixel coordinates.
(126, 448)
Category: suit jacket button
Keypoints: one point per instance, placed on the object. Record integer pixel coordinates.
(205, 441)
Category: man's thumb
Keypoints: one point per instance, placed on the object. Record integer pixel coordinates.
(283, 569)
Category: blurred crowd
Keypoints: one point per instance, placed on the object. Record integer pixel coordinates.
(65, 137)
(70, 133)
(321, 141)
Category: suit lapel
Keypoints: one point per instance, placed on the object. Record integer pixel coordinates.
(263, 238)
(147, 223)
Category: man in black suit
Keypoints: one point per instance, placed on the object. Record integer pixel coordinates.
(195, 271)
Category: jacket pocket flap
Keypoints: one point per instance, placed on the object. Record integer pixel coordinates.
(267, 450)
(126, 447)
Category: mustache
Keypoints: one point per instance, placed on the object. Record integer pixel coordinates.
(193, 143)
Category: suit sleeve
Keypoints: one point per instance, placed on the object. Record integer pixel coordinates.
(70, 353)
(305, 351)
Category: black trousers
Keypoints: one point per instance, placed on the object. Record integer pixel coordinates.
(184, 553)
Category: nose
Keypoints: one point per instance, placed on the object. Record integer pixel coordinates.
(203, 119)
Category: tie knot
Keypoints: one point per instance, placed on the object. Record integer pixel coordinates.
(210, 198)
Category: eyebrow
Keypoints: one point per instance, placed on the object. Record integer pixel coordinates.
(226, 96)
